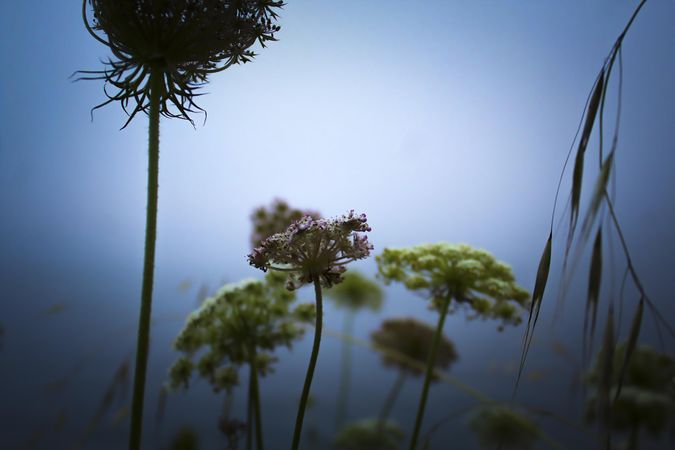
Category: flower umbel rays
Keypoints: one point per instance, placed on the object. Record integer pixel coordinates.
(180, 41)
(315, 249)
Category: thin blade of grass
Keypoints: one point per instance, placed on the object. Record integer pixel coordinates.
(598, 194)
(632, 342)
(537, 297)
(577, 176)
(594, 280)
(606, 373)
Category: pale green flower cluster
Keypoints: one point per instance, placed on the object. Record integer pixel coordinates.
(356, 292)
(471, 278)
(242, 321)
(647, 398)
(500, 427)
(369, 434)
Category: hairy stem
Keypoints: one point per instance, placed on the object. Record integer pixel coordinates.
(143, 339)
(346, 368)
(431, 363)
(310, 369)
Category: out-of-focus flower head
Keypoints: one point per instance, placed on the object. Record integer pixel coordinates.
(647, 398)
(186, 40)
(251, 316)
(472, 278)
(406, 344)
(356, 292)
(498, 426)
(275, 219)
(315, 249)
(369, 434)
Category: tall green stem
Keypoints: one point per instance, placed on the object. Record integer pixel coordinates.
(249, 409)
(256, 402)
(346, 366)
(391, 398)
(310, 369)
(148, 263)
(431, 363)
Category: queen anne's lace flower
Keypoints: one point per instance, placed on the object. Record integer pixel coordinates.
(185, 40)
(472, 278)
(315, 249)
(275, 219)
(406, 344)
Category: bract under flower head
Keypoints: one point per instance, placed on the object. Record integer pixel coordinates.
(253, 316)
(470, 277)
(185, 40)
(406, 344)
(315, 249)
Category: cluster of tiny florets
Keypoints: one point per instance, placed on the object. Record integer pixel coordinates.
(275, 219)
(242, 321)
(315, 249)
(185, 40)
(472, 278)
(406, 344)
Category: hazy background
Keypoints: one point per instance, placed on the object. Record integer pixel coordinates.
(442, 120)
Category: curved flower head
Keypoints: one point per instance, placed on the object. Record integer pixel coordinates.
(500, 427)
(369, 434)
(275, 219)
(470, 277)
(253, 316)
(315, 249)
(406, 344)
(647, 398)
(182, 41)
(356, 292)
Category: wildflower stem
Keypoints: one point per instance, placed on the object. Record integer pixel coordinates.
(250, 406)
(346, 366)
(256, 401)
(391, 398)
(148, 264)
(310, 369)
(430, 369)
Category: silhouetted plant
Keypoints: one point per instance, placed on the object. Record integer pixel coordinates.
(500, 427)
(241, 325)
(163, 52)
(647, 393)
(600, 209)
(314, 251)
(458, 276)
(369, 434)
(275, 219)
(355, 293)
(413, 340)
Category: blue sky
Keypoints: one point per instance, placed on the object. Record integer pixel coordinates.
(442, 120)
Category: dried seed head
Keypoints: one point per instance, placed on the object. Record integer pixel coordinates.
(183, 41)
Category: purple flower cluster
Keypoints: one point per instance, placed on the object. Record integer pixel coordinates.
(315, 249)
